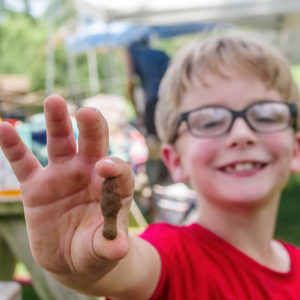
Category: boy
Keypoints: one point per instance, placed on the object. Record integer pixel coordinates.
(227, 119)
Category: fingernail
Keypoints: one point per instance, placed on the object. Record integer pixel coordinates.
(92, 108)
(109, 161)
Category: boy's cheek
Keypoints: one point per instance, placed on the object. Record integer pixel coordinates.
(285, 149)
(201, 157)
(280, 144)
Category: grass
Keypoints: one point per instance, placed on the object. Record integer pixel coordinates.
(288, 223)
(28, 293)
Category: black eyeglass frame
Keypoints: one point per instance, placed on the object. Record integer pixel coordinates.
(183, 117)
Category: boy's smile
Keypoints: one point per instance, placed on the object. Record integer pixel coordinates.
(242, 166)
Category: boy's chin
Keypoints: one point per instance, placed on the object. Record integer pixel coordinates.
(243, 199)
(247, 202)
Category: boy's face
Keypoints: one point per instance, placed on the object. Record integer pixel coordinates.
(241, 166)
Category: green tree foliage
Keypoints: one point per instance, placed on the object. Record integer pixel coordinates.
(22, 47)
(23, 41)
(23, 50)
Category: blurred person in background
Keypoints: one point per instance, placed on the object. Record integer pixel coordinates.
(148, 65)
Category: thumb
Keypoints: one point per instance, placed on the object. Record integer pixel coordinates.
(110, 166)
(116, 199)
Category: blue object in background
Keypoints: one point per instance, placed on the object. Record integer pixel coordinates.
(24, 130)
(116, 34)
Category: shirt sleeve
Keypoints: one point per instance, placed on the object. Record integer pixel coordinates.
(164, 238)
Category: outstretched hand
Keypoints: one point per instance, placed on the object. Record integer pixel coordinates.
(61, 201)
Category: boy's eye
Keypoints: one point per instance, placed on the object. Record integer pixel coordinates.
(209, 125)
(269, 113)
(208, 119)
(266, 120)
(275, 118)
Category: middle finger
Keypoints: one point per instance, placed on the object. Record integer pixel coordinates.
(93, 134)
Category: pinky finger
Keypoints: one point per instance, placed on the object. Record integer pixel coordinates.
(22, 160)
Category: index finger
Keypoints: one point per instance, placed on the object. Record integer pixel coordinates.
(21, 159)
(60, 137)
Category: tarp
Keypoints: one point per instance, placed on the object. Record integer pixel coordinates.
(115, 34)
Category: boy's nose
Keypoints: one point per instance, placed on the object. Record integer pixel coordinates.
(241, 135)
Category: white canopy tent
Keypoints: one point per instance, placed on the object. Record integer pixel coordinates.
(264, 13)
(280, 17)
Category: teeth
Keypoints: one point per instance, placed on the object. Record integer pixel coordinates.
(243, 167)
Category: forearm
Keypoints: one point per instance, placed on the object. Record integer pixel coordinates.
(133, 277)
(137, 274)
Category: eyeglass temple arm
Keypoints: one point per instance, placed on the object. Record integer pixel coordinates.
(181, 118)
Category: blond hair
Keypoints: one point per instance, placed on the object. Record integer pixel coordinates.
(231, 51)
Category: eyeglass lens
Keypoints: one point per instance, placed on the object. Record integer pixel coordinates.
(265, 117)
(268, 117)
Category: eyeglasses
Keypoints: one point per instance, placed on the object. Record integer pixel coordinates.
(214, 120)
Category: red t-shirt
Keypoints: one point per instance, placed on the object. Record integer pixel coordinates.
(197, 264)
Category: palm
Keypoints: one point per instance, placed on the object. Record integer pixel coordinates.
(61, 202)
(61, 209)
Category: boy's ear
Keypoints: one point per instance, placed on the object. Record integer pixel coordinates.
(172, 160)
(295, 164)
